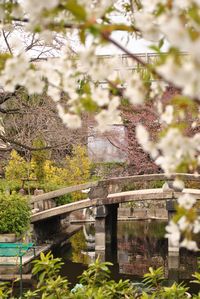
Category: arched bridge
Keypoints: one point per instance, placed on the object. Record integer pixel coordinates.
(109, 192)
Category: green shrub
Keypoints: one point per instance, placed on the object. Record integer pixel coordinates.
(63, 200)
(143, 185)
(95, 283)
(14, 213)
(7, 186)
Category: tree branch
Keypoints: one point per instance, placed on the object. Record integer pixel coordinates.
(6, 41)
(10, 111)
(149, 67)
(7, 96)
(27, 147)
(66, 25)
(134, 57)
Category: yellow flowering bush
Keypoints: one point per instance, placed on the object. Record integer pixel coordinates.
(17, 167)
(53, 174)
(77, 167)
(75, 170)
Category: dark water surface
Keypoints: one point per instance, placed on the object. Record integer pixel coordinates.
(140, 244)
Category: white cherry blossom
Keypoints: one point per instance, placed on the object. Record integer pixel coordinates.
(183, 223)
(146, 23)
(143, 138)
(100, 96)
(168, 115)
(135, 90)
(186, 201)
(196, 226)
(35, 8)
(105, 118)
(173, 233)
(150, 6)
(73, 121)
(14, 72)
(189, 244)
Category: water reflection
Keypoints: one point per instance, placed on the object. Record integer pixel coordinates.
(79, 248)
(140, 244)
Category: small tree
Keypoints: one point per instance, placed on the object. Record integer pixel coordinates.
(76, 171)
(17, 167)
(53, 174)
(38, 159)
(78, 166)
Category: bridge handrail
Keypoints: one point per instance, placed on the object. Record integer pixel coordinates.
(62, 191)
(113, 181)
(154, 177)
(136, 195)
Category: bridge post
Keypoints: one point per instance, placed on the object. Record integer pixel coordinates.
(105, 228)
(173, 251)
(100, 227)
(170, 206)
(111, 233)
(111, 224)
(173, 265)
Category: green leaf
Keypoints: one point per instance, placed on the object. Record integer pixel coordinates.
(76, 9)
(161, 42)
(82, 36)
(193, 12)
(3, 59)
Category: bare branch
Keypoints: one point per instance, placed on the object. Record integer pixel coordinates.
(66, 25)
(32, 43)
(134, 56)
(10, 111)
(144, 64)
(29, 148)
(6, 41)
(6, 96)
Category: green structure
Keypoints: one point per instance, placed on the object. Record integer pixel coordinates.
(16, 250)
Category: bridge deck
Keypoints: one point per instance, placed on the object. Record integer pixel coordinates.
(135, 195)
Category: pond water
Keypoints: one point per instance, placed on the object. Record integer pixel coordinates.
(140, 244)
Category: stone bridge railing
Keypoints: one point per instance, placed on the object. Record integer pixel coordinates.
(46, 201)
(101, 189)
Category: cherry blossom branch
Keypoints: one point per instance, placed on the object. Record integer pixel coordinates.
(149, 67)
(134, 57)
(121, 94)
(6, 41)
(66, 25)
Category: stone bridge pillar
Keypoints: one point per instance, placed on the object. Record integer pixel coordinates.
(105, 229)
(100, 215)
(111, 233)
(170, 206)
(173, 251)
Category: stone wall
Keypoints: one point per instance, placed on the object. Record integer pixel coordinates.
(125, 213)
